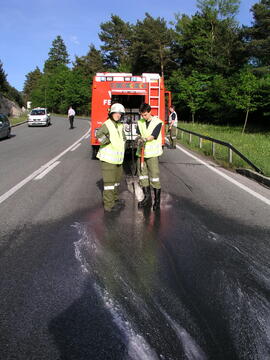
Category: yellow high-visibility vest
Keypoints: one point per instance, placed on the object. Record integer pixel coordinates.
(152, 148)
(113, 153)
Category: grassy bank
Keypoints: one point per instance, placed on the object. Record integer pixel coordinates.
(254, 145)
(16, 120)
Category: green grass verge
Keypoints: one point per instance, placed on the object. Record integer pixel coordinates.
(16, 120)
(254, 145)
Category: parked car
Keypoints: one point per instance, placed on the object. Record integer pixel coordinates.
(5, 127)
(39, 116)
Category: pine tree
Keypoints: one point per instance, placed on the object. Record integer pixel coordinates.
(31, 82)
(58, 55)
(210, 40)
(258, 36)
(221, 9)
(151, 48)
(91, 63)
(116, 37)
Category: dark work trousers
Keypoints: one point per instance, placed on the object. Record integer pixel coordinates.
(149, 174)
(112, 175)
(71, 120)
(173, 136)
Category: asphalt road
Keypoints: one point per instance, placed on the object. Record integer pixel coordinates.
(190, 282)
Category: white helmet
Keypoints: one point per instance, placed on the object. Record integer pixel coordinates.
(117, 108)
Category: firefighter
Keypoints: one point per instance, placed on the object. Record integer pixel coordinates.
(111, 155)
(149, 131)
(172, 127)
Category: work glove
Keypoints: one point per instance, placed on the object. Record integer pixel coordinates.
(140, 141)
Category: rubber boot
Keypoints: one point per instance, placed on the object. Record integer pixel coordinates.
(156, 205)
(147, 200)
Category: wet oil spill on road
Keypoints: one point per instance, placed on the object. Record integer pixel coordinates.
(178, 288)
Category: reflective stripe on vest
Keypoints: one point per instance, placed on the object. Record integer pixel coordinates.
(113, 153)
(152, 148)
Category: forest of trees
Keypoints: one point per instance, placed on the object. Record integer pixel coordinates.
(217, 69)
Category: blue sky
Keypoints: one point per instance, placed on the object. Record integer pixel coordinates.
(28, 27)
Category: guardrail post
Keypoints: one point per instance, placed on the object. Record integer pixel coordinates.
(230, 155)
(190, 138)
(200, 143)
(182, 135)
(213, 148)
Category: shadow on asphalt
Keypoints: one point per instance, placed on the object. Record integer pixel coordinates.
(9, 138)
(85, 330)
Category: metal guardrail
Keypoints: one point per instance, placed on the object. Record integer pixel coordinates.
(230, 147)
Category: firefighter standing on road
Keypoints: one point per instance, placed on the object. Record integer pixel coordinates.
(111, 155)
(149, 131)
(172, 127)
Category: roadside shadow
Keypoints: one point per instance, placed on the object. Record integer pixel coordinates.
(85, 330)
(7, 138)
(99, 184)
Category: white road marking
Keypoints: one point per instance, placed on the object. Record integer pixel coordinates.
(87, 136)
(233, 181)
(75, 147)
(15, 188)
(45, 172)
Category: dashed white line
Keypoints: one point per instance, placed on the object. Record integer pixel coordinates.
(231, 180)
(45, 172)
(75, 147)
(15, 188)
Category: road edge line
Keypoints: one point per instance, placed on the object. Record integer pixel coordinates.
(227, 177)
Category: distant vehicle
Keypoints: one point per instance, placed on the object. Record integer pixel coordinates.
(39, 116)
(5, 127)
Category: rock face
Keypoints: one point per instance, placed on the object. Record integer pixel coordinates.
(9, 108)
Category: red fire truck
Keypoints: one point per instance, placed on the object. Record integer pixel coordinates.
(131, 91)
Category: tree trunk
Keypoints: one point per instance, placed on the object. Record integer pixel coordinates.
(246, 119)
(161, 61)
(193, 117)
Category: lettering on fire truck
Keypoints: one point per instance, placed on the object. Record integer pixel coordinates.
(107, 102)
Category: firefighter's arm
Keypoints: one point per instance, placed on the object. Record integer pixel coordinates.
(149, 138)
(103, 135)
